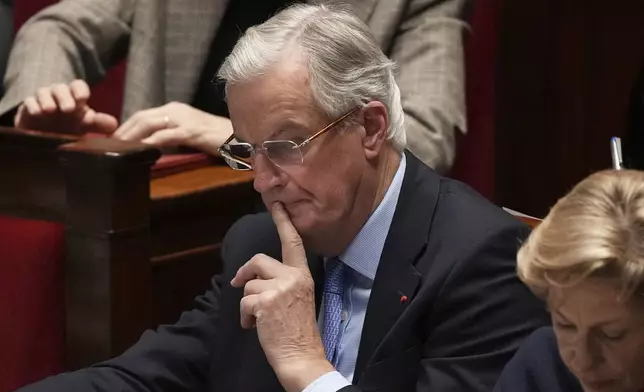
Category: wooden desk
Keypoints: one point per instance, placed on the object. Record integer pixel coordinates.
(136, 251)
(191, 212)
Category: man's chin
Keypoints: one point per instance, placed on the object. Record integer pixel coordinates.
(301, 216)
(303, 224)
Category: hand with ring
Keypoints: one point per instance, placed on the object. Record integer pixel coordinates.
(176, 124)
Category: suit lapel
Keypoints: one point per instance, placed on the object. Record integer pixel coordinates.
(397, 280)
(362, 8)
(191, 26)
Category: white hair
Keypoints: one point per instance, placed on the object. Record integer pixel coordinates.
(347, 68)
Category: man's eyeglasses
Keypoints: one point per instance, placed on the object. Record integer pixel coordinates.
(283, 153)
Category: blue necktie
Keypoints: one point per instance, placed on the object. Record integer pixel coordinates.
(333, 290)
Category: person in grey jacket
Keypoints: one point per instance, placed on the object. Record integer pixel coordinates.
(172, 58)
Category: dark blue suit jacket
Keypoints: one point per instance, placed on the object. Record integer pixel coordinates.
(537, 367)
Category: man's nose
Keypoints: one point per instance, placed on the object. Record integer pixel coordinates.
(267, 175)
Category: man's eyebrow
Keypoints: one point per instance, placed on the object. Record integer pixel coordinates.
(288, 125)
(276, 134)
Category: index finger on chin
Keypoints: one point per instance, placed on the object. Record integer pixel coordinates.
(293, 253)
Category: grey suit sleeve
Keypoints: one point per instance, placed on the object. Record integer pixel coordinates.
(69, 40)
(428, 48)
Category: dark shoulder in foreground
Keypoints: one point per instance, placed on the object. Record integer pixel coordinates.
(537, 367)
(454, 207)
(471, 214)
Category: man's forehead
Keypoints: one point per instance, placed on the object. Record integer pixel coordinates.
(283, 78)
(281, 94)
(255, 122)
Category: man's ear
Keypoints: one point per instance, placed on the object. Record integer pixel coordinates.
(375, 122)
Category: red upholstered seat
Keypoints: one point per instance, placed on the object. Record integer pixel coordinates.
(31, 287)
(31, 301)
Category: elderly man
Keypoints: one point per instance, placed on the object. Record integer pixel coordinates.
(374, 273)
(173, 57)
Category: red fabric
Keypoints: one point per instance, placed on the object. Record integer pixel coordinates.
(107, 96)
(474, 163)
(31, 301)
(23, 10)
(31, 286)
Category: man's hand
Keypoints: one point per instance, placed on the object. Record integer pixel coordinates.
(176, 124)
(279, 301)
(63, 108)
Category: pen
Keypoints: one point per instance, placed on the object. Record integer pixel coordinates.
(616, 153)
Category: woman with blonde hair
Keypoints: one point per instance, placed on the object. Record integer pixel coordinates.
(586, 260)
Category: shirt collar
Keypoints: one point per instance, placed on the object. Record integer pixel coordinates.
(363, 253)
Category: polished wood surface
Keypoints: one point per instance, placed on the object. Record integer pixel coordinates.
(25, 152)
(107, 236)
(197, 180)
(137, 250)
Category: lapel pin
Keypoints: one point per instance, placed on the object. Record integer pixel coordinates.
(403, 299)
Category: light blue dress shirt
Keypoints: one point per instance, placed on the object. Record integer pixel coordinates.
(363, 257)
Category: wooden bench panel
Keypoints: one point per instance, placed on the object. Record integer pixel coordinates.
(137, 250)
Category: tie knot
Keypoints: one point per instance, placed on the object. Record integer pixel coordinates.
(335, 270)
